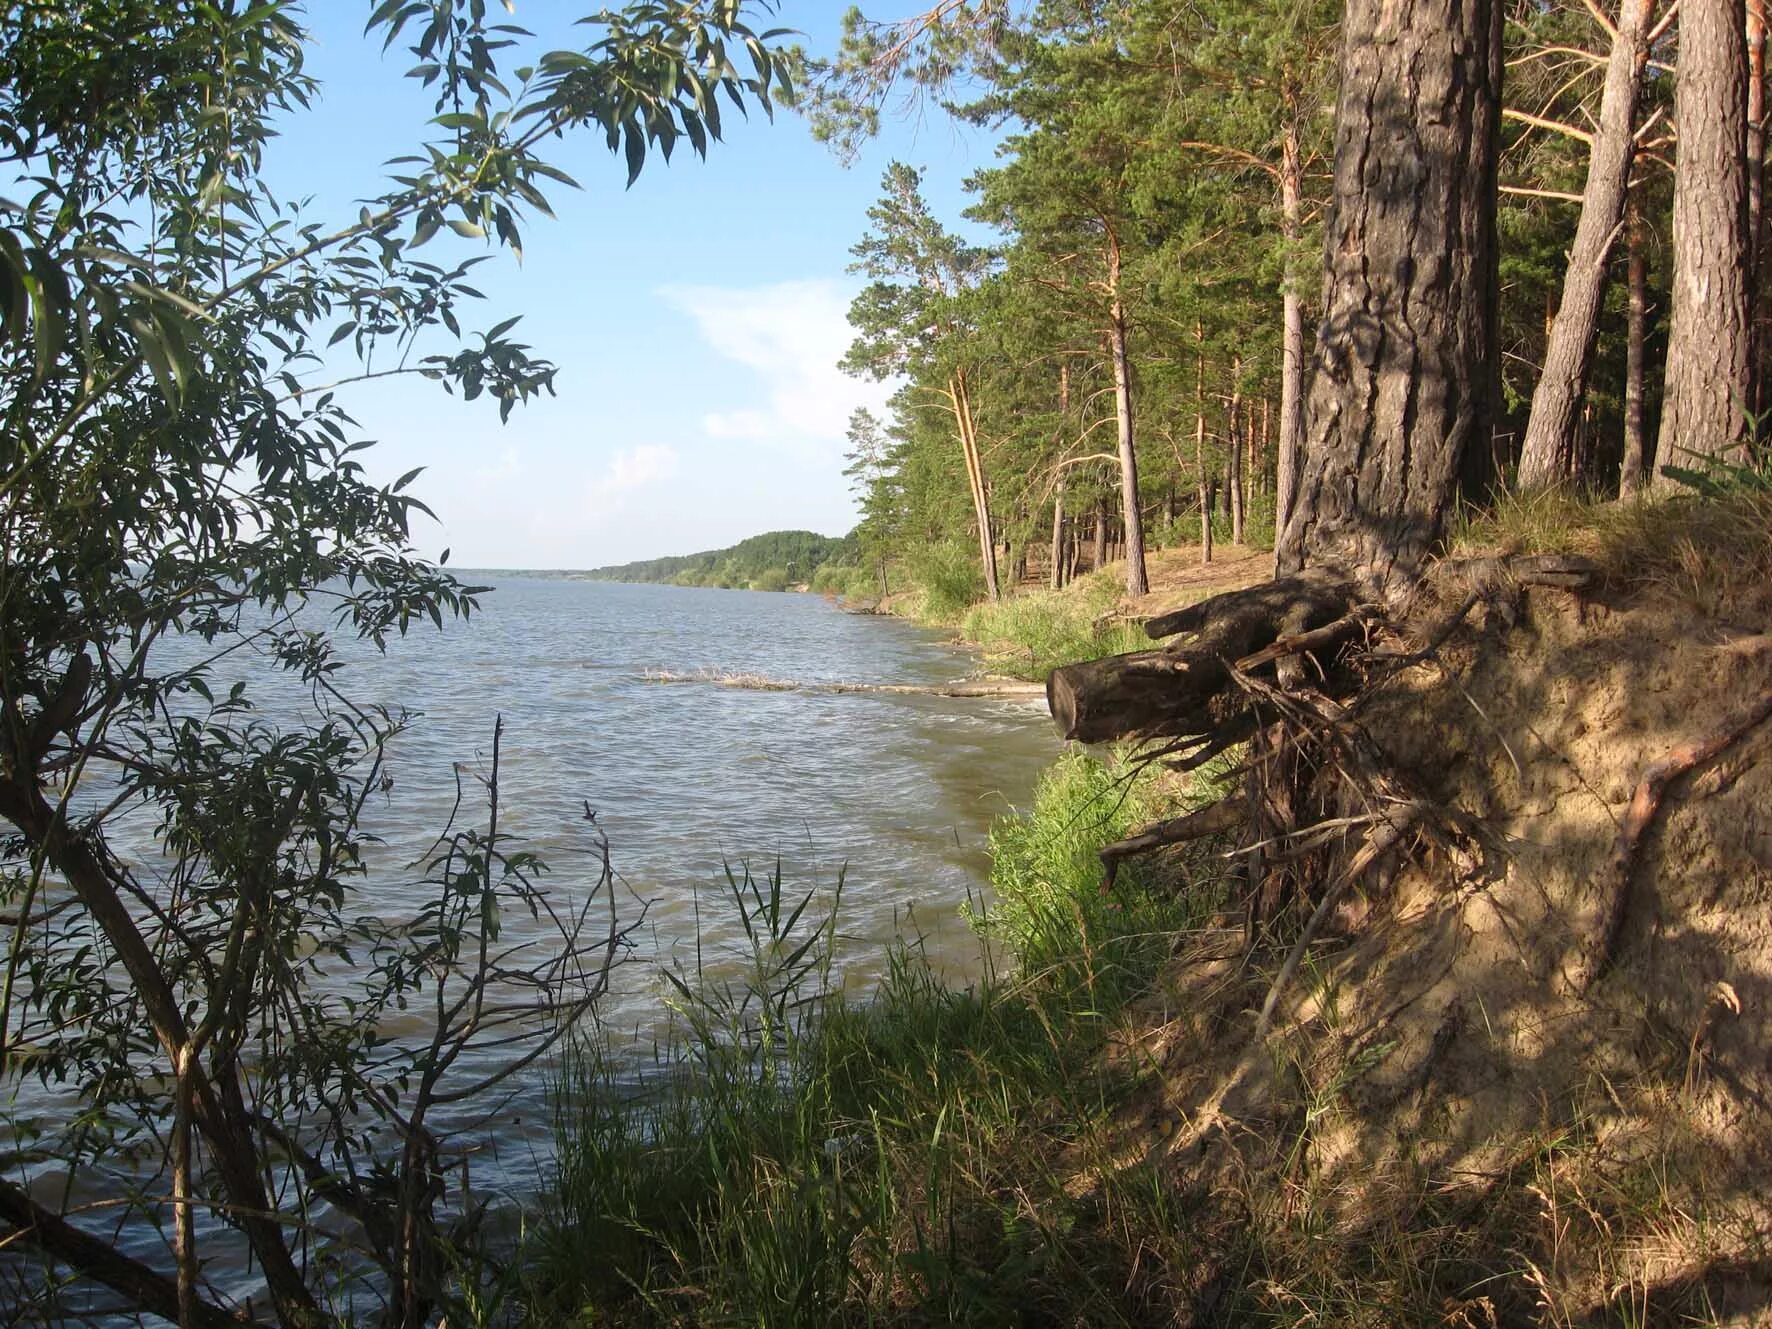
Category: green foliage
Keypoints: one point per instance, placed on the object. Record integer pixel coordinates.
(1030, 634)
(793, 554)
(947, 574)
(1050, 906)
(177, 348)
(771, 579)
(797, 1159)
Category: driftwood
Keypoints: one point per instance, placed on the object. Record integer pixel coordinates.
(1645, 805)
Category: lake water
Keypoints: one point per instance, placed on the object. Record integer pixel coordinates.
(896, 793)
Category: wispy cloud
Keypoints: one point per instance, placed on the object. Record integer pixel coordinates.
(627, 471)
(790, 335)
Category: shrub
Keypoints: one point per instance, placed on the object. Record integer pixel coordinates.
(950, 579)
(771, 579)
(1050, 908)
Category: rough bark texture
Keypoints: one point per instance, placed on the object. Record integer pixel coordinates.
(1562, 387)
(1291, 333)
(1632, 471)
(1183, 689)
(1404, 380)
(1704, 406)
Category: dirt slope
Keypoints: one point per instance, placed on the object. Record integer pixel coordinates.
(1443, 1092)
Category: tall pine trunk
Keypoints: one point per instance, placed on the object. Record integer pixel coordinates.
(1404, 384)
(1101, 521)
(1562, 387)
(1234, 447)
(1136, 581)
(981, 506)
(1058, 536)
(1291, 329)
(1706, 394)
(1200, 443)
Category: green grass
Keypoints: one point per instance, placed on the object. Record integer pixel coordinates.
(1031, 634)
(800, 1159)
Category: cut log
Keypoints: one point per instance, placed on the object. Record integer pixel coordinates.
(1181, 689)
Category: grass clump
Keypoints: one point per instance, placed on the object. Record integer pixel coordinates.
(1030, 635)
(1709, 551)
(803, 1159)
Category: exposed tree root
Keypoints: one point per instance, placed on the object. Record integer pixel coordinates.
(1645, 805)
(1228, 814)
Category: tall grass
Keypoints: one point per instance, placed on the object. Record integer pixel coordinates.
(1031, 634)
(798, 1158)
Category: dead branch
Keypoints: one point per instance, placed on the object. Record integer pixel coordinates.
(31, 1224)
(1228, 814)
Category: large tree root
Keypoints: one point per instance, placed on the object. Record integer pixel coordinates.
(1228, 814)
(1186, 688)
(1645, 805)
(1285, 668)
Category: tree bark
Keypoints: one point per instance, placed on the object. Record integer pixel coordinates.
(1706, 393)
(1404, 381)
(1101, 521)
(1631, 472)
(987, 543)
(1058, 535)
(1137, 583)
(1756, 206)
(1235, 479)
(1200, 442)
(1292, 329)
(1568, 356)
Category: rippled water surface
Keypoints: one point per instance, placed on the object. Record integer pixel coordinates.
(897, 792)
(894, 793)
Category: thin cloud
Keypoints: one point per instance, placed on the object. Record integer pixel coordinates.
(790, 335)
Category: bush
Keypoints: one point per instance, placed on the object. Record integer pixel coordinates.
(950, 579)
(771, 579)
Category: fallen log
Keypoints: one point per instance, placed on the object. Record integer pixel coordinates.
(1182, 688)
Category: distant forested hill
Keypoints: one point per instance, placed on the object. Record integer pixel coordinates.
(772, 561)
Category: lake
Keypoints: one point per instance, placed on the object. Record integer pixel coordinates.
(895, 793)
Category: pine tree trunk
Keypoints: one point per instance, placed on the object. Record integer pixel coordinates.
(1631, 472)
(1404, 381)
(1058, 536)
(1756, 208)
(1292, 331)
(1234, 446)
(1101, 521)
(1568, 356)
(1137, 583)
(1200, 443)
(1706, 392)
(987, 542)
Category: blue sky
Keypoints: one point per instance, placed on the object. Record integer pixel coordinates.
(696, 318)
